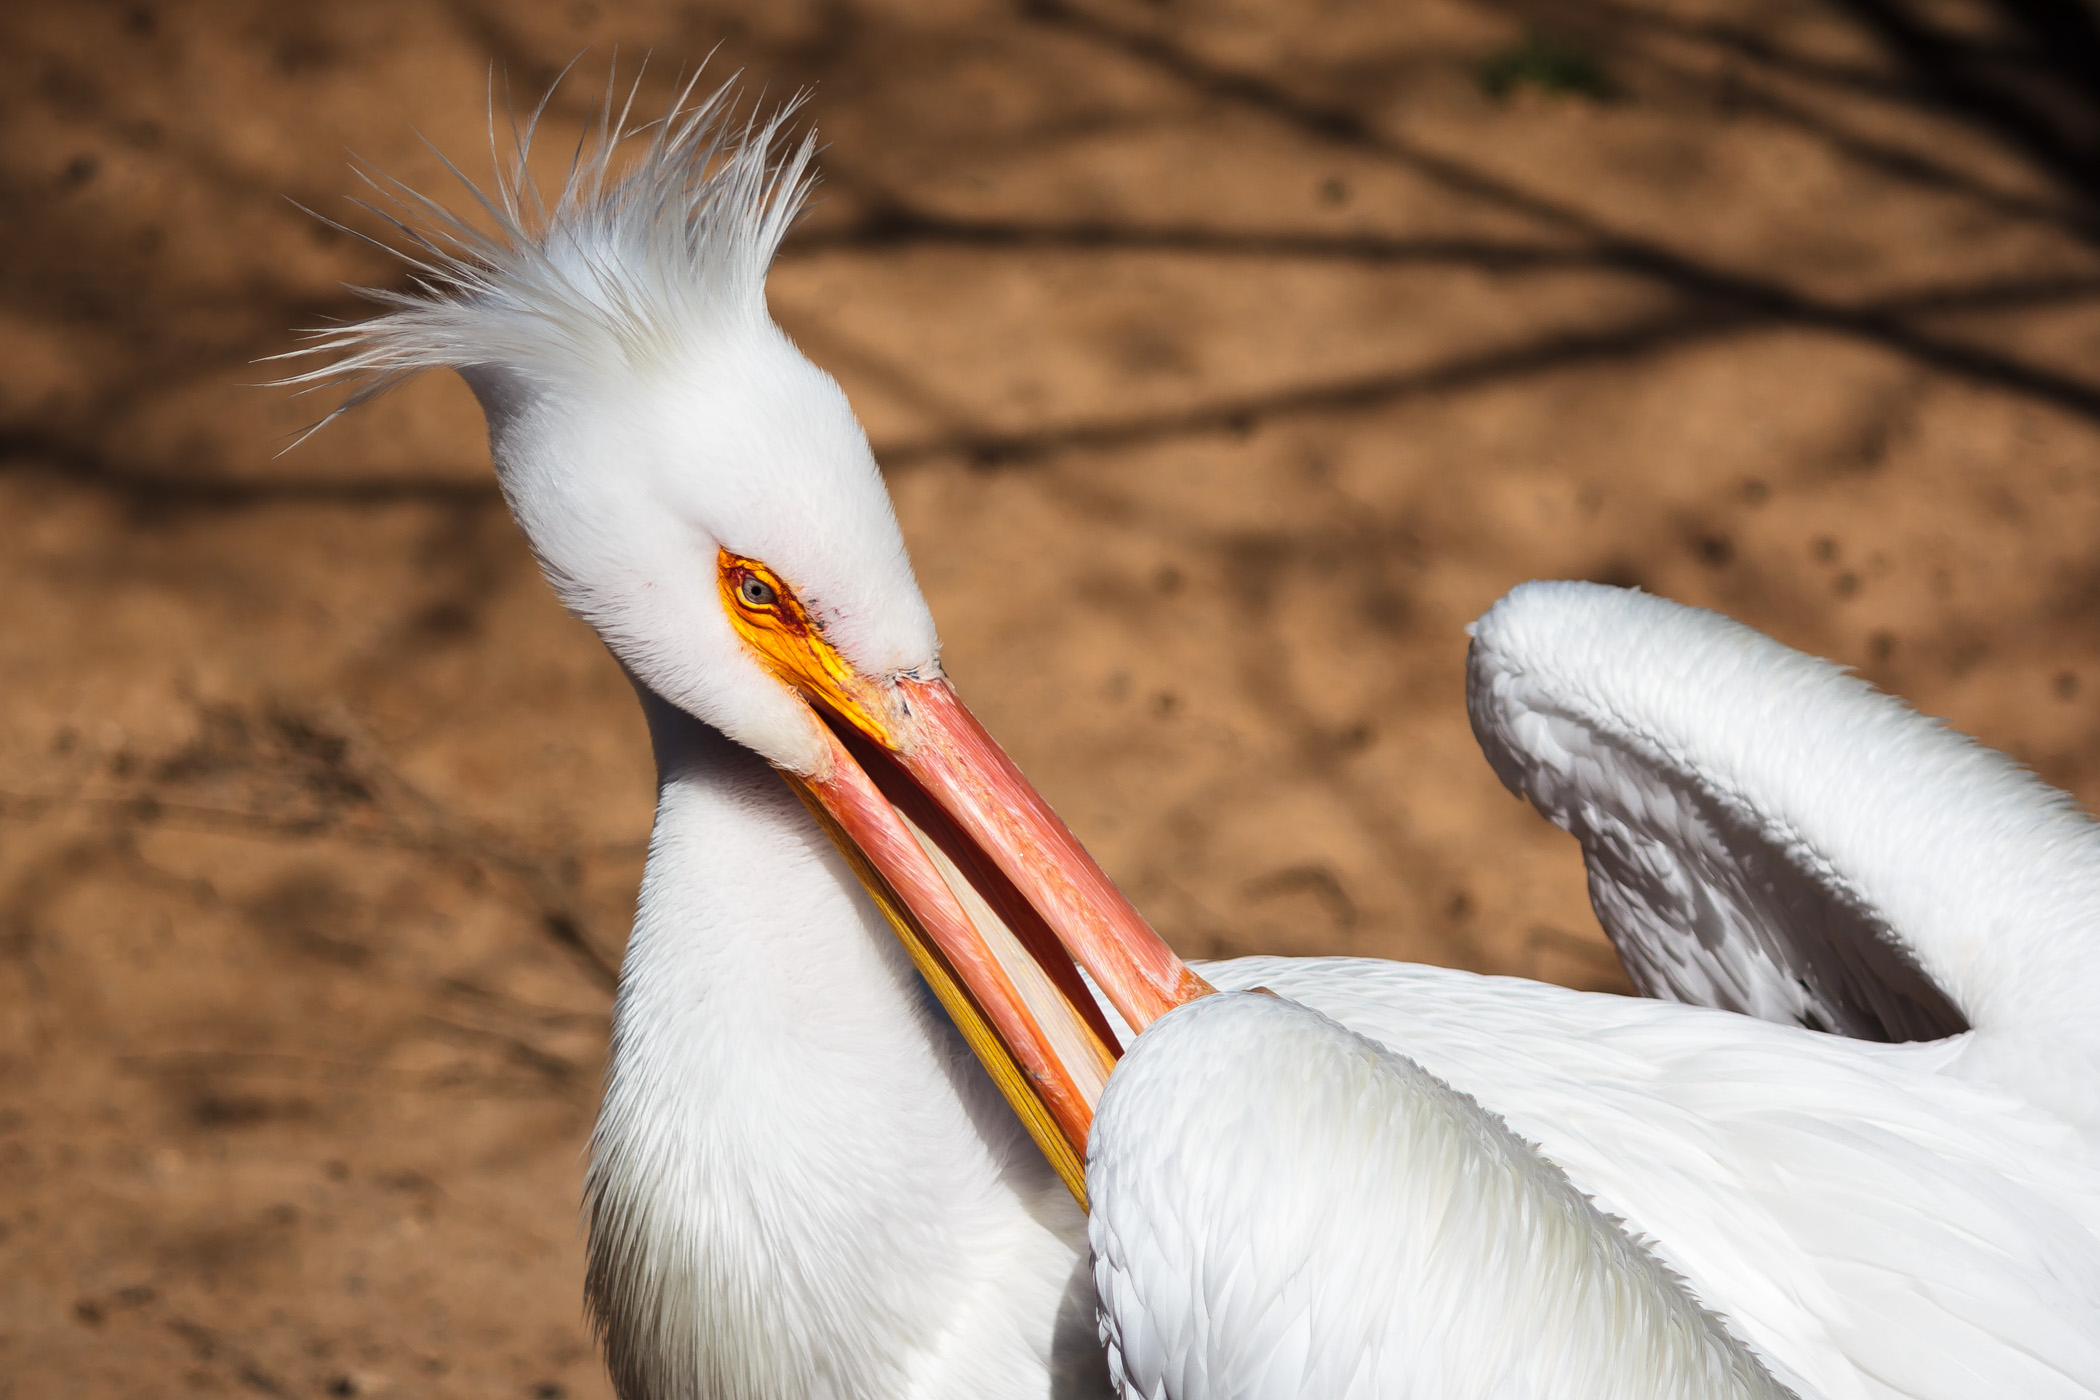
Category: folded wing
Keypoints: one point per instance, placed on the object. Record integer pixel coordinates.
(1283, 1210)
(1768, 834)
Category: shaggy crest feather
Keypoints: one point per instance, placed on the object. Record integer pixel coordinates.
(623, 270)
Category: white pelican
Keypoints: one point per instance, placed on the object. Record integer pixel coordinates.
(801, 1184)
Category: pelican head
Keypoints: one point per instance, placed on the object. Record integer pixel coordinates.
(702, 495)
(649, 421)
(644, 490)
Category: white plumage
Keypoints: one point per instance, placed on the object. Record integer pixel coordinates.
(1869, 1224)
(1769, 834)
(1285, 1210)
(802, 1184)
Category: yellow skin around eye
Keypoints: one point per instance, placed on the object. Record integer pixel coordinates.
(793, 648)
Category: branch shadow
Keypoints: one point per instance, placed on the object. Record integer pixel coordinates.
(2031, 79)
(1932, 66)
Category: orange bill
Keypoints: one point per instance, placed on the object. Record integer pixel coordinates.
(995, 899)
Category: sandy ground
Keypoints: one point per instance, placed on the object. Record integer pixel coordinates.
(1226, 359)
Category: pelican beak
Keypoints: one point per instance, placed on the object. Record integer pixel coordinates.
(991, 894)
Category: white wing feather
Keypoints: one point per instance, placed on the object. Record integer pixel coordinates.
(1284, 1211)
(1766, 833)
(1870, 1224)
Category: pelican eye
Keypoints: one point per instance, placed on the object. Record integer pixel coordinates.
(757, 592)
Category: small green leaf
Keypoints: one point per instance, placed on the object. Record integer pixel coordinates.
(1552, 66)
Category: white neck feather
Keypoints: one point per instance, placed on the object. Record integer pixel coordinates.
(801, 1185)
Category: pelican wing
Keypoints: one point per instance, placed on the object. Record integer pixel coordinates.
(1872, 1225)
(1767, 834)
(1284, 1210)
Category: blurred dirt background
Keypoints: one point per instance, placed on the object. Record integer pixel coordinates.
(1226, 359)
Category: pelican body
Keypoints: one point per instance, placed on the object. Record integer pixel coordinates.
(850, 1114)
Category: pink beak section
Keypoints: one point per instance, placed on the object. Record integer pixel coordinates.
(963, 768)
(995, 899)
(879, 833)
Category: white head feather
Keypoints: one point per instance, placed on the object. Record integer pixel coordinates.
(644, 411)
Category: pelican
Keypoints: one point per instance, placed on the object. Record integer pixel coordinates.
(849, 1114)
